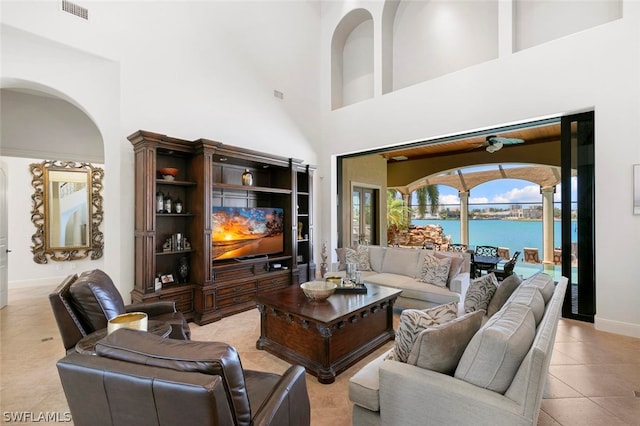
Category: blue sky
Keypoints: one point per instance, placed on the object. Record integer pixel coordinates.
(508, 191)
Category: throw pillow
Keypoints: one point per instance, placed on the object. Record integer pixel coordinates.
(504, 291)
(480, 292)
(457, 260)
(435, 271)
(413, 321)
(496, 351)
(542, 282)
(440, 347)
(360, 257)
(342, 258)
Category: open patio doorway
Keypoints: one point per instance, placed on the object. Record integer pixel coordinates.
(566, 143)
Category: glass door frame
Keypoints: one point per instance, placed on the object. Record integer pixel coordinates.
(577, 152)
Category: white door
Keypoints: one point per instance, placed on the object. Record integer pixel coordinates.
(4, 250)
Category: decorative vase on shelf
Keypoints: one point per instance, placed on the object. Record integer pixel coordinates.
(247, 178)
(167, 203)
(183, 269)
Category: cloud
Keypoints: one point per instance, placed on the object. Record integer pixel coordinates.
(526, 194)
(449, 199)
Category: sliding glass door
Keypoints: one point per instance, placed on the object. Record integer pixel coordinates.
(578, 222)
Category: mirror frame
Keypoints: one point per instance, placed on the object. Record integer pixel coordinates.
(41, 247)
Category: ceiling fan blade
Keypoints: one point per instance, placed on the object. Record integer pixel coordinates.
(506, 141)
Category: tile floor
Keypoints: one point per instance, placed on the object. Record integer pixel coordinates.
(592, 379)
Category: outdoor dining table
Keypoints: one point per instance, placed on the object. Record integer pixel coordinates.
(484, 263)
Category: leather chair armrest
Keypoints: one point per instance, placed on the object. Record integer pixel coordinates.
(152, 308)
(288, 402)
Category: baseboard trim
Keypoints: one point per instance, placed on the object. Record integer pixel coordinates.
(617, 327)
(36, 282)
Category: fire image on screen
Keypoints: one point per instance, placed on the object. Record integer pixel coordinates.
(243, 232)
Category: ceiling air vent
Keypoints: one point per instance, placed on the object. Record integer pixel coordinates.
(74, 9)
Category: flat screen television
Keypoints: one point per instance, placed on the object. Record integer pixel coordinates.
(239, 232)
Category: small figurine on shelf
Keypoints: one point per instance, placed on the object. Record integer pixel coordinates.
(183, 269)
(167, 245)
(247, 178)
(159, 202)
(177, 205)
(187, 244)
(300, 230)
(167, 203)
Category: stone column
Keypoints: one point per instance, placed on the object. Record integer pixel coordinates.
(547, 226)
(464, 217)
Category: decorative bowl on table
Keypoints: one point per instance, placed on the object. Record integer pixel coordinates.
(169, 173)
(318, 290)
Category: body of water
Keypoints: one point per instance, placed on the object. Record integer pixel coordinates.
(515, 234)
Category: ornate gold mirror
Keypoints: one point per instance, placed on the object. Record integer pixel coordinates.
(67, 211)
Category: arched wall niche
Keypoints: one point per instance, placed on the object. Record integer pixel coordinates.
(64, 130)
(434, 38)
(352, 59)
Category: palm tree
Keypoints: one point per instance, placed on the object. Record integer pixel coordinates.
(397, 212)
(428, 194)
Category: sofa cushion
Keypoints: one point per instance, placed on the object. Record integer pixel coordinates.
(435, 271)
(480, 292)
(413, 321)
(529, 296)
(503, 292)
(440, 347)
(401, 261)
(413, 289)
(359, 256)
(494, 354)
(542, 282)
(364, 386)
(376, 256)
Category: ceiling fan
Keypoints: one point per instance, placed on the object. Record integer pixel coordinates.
(495, 143)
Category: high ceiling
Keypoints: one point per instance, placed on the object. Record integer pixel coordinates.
(531, 136)
(445, 161)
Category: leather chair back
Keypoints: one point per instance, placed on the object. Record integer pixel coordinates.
(71, 326)
(142, 379)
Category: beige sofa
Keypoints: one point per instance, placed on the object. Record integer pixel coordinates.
(499, 379)
(400, 268)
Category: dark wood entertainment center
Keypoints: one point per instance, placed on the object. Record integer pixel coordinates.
(210, 175)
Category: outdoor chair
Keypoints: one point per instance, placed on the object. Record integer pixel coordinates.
(506, 269)
(503, 252)
(531, 255)
(486, 251)
(557, 257)
(461, 248)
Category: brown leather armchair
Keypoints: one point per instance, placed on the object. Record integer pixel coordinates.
(83, 304)
(137, 378)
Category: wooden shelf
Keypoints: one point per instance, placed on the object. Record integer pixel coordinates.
(175, 182)
(164, 253)
(251, 188)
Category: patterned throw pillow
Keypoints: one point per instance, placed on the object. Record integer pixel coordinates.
(413, 321)
(360, 257)
(480, 292)
(435, 271)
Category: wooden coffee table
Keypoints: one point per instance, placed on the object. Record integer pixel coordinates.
(329, 336)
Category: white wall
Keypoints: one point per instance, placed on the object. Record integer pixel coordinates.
(36, 126)
(594, 69)
(186, 69)
(23, 271)
(434, 38)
